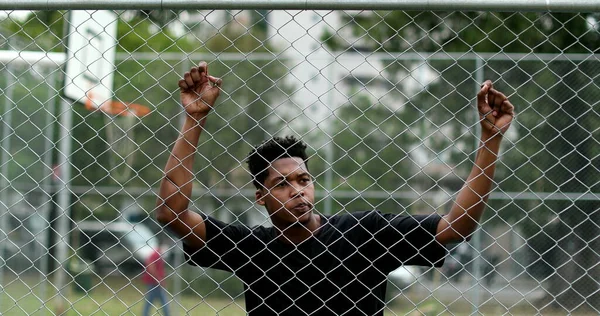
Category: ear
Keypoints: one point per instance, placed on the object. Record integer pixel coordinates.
(259, 196)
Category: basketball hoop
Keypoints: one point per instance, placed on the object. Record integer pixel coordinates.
(120, 120)
(117, 108)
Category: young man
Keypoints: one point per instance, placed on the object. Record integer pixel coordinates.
(307, 263)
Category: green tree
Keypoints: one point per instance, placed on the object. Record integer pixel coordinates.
(249, 90)
(556, 149)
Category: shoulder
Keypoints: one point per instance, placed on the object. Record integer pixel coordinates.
(235, 225)
(218, 231)
(263, 233)
(350, 215)
(349, 220)
(356, 216)
(376, 220)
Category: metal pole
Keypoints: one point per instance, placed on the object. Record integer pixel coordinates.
(479, 78)
(329, 176)
(64, 196)
(258, 56)
(179, 258)
(329, 157)
(4, 182)
(406, 5)
(49, 145)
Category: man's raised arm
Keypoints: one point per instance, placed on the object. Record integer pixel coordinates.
(199, 91)
(496, 114)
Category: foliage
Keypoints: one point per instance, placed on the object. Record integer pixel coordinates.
(554, 147)
(250, 87)
(533, 85)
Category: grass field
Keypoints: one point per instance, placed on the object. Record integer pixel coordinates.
(116, 296)
(119, 296)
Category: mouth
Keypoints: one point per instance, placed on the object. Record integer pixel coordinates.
(301, 208)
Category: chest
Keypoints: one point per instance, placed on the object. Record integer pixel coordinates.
(331, 259)
(303, 279)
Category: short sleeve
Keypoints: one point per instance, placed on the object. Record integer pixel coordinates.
(406, 240)
(223, 249)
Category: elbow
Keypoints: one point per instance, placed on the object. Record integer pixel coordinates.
(170, 203)
(463, 236)
(164, 214)
(453, 236)
(451, 231)
(463, 229)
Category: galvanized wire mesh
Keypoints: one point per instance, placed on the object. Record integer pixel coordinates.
(384, 99)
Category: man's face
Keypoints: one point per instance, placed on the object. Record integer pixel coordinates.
(288, 193)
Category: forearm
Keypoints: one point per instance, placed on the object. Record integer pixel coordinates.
(470, 203)
(176, 186)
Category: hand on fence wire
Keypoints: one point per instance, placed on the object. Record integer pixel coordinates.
(495, 111)
(199, 90)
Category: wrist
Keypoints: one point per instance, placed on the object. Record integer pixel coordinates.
(194, 123)
(196, 117)
(491, 136)
(490, 144)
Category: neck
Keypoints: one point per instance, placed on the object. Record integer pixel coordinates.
(299, 232)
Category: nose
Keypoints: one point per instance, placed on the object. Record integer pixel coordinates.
(297, 190)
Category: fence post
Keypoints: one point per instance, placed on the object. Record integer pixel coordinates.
(329, 157)
(47, 185)
(64, 197)
(479, 78)
(179, 258)
(4, 183)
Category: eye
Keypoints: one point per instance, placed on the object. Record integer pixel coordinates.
(281, 184)
(305, 180)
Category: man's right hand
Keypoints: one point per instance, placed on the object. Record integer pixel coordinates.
(199, 91)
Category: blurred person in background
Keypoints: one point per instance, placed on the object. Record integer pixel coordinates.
(153, 277)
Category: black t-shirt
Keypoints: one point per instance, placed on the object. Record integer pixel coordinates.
(341, 270)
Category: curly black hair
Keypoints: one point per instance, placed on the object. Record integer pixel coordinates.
(260, 158)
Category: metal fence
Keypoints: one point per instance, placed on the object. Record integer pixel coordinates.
(384, 99)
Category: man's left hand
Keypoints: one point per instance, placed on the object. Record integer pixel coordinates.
(495, 111)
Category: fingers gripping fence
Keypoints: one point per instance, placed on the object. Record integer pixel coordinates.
(400, 128)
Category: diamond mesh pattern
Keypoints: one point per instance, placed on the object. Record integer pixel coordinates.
(385, 101)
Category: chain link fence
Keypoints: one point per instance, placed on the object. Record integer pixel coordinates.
(385, 100)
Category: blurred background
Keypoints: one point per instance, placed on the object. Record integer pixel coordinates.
(386, 102)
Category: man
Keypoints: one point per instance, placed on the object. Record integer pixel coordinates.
(307, 263)
(153, 277)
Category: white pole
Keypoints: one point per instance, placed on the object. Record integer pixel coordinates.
(64, 198)
(479, 77)
(329, 157)
(179, 258)
(43, 239)
(4, 182)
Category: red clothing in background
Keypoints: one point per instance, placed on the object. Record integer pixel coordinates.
(155, 269)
